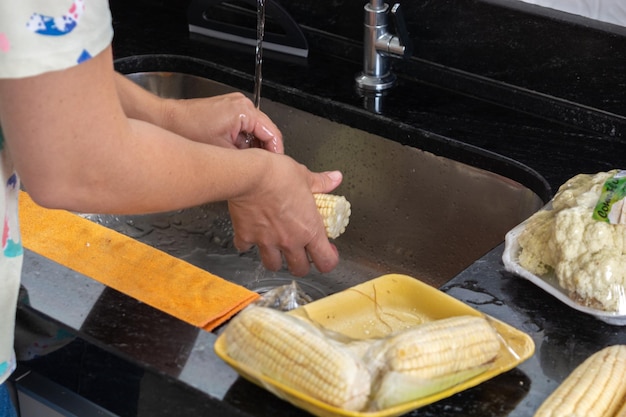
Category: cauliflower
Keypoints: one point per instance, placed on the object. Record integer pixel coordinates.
(587, 256)
(591, 263)
(537, 254)
(582, 190)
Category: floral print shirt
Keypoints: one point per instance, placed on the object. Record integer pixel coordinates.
(36, 36)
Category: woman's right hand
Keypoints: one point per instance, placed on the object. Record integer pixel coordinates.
(280, 217)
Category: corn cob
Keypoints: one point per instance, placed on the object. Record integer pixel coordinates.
(622, 411)
(335, 211)
(299, 355)
(430, 358)
(596, 388)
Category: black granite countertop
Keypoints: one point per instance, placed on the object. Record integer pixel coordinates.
(462, 96)
(133, 360)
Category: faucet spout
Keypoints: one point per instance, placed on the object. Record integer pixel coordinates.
(376, 4)
(379, 45)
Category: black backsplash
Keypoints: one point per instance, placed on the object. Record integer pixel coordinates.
(498, 52)
(540, 61)
(527, 46)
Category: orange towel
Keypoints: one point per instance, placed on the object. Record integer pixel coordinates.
(134, 268)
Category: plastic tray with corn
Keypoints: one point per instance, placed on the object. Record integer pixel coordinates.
(381, 348)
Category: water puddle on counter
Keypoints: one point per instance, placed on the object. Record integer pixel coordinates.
(472, 293)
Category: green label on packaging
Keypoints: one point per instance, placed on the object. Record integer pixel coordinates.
(609, 207)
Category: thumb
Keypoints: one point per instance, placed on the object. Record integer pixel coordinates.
(325, 182)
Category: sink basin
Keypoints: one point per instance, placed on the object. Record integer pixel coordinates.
(413, 212)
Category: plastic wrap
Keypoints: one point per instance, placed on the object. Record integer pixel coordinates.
(575, 247)
(284, 298)
(365, 319)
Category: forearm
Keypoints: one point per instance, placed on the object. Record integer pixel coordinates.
(144, 169)
(151, 169)
(75, 148)
(140, 104)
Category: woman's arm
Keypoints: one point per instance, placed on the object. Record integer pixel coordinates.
(75, 148)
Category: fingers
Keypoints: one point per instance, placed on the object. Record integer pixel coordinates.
(319, 251)
(325, 182)
(272, 252)
(241, 245)
(247, 140)
(324, 255)
(255, 123)
(264, 135)
(271, 258)
(268, 134)
(297, 262)
(325, 258)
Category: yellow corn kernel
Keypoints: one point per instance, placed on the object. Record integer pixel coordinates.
(596, 388)
(622, 411)
(335, 211)
(432, 357)
(299, 355)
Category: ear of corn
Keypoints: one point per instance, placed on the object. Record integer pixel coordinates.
(298, 355)
(431, 357)
(370, 374)
(335, 211)
(622, 411)
(400, 387)
(596, 388)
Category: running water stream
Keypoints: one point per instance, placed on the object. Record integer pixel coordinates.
(259, 273)
(258, 67)
(258, 63)
(280, 290)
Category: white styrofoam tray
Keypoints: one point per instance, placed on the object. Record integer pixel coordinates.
(549, 282)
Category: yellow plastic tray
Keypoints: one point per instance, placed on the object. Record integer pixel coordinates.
(377, 308)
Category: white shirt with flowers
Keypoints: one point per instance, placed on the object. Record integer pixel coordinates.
(36, 36)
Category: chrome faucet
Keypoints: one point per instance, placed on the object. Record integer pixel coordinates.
(379, 45)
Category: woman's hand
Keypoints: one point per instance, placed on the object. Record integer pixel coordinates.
(281, 218)
(225, 120)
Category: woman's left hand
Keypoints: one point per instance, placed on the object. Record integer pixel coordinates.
(227, 120)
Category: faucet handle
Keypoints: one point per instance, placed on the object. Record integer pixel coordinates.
(401, 31)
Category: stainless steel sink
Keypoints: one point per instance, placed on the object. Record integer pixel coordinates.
(412, 212)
